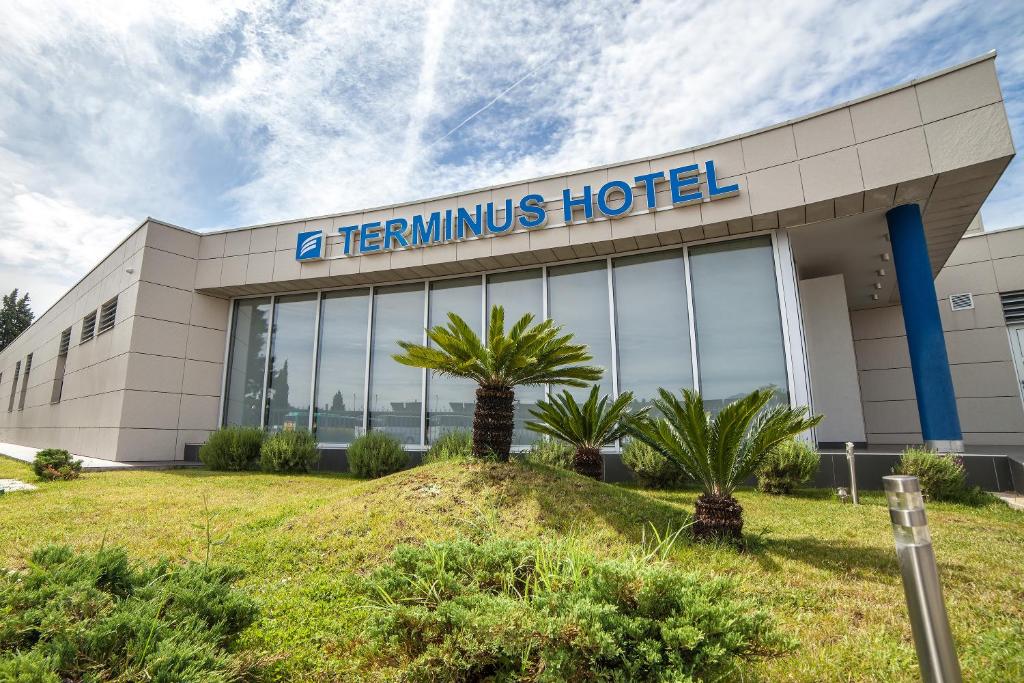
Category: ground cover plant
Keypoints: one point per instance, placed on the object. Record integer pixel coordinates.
(826, 572)
(52, 464)
(550, 611)
(94, 616)
(232, 448)
(376, 454)
(652, 469)
(941, 475)
(787, 467)
(598, 422)
(454, 445)
(525, 355)
(292, 450)
(549, 452)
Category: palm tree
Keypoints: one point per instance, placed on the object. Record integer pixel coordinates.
(527, 355)
(720, 451)
(587, 428)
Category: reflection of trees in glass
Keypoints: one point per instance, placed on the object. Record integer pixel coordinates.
(255, 364)
(337, 403)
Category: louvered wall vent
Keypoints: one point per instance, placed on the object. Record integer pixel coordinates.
(961, 302)
(1013, 306)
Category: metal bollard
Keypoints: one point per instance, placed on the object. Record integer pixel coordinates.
(928, 620)
(853, 473)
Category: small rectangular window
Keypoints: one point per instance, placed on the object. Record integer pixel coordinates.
(108, 312)
(88, 327)
(24, 382)
(14, 386)
(62, 359)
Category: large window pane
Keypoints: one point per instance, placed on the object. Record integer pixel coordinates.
(342, 366)
(291, 362)
(736, 315)
(395, 389)
(451, 401)
(578, 300)
(247, 362)
(652, 325)
(519, 292)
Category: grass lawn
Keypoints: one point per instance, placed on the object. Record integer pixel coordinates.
(825, 570)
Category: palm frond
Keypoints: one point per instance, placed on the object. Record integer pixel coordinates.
(595, 423)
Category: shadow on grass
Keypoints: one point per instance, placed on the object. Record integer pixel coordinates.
(864, 562)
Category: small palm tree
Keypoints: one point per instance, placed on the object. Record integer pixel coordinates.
(526, 355)
(587, 428)
(720, 451)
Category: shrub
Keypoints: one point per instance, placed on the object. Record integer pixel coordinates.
(652, 469)
(290, 451)
(550, 452)
(787, 466)
(56, 464)
(93, 617)
(376, 454)
(545, 611)
(232, 448)
(942, 477)
(453, 445)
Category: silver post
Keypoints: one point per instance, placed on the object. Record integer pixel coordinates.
(853, 473)
(928, 621)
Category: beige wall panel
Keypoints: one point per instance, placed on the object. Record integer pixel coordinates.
(992, 414)
(987, 312)
(970, 250)
(976, 278)
(894, 158)
(874, 323)
(146, 444)
(1005, 243)
(198, 412)
(261, 267)
(209, 311)
(774, 188)
(770, 148)
(1009, 273)
(211, 246)
(895, 384)
(150, 410)
(892, 417)
(164, 268)
(172, 240)
(154, 373)
(970, 138)
(880, 116)
(978, 346)
(834, 174)
(264, 240)
(982, 380)
(824, 133)
(206, 344)
(163, 303)
(202, 378)
(880, 354)
(159, 337)
(208, 272)
(958, 91)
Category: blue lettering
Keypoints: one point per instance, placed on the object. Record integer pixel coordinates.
(532, 208)
(467, 220)
(648, 180)
(369, 231)
(714, 191)
(395, 228)
(569, 203)
(447, 225)
(509, 217)
(346, 232)
(425, 233)
(627, 198)
(684, 176)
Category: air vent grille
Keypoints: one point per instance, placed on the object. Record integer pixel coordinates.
(1013, 306)
(88, 327)
(961, 302)
(65, 342)
(107, 314)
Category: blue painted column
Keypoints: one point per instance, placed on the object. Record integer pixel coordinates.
(933, 383)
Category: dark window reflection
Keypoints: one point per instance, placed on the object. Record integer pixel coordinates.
(578, 300)
(342, 366)
(737, 319)
(451, 401)
(247, 363)
(395, 389)
(652, 325)
(519, 292)
(291, 362)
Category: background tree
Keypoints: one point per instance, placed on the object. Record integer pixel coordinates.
(15, 317)
(526, 355)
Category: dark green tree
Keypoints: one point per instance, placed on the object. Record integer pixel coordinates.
(15, 317)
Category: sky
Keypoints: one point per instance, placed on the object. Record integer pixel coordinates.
(212, 114)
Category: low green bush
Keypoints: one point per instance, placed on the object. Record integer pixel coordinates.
(376, 454)
(652, 469)
(545, 611)
(56, 464)
(942, 476)
(788, 466)
(232, 448)
(550, 452)
(293, 450)
(454, 445)
(94, 617)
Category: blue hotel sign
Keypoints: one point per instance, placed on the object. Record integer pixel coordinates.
(613, 200)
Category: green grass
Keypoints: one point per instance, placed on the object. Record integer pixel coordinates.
(825, 570)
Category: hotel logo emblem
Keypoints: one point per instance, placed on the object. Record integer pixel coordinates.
(309, 246)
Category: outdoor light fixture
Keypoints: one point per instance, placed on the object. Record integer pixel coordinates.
(928, 620)
(881, 272)
(853, 473)
(885, 256)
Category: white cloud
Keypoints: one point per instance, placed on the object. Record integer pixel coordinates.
(214, 114)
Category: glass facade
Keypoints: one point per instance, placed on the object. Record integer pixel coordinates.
(633, 311)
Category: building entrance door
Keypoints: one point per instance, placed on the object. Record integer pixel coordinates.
(1017, 344)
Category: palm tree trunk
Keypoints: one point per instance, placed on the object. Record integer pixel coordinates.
(718, 517)
(492, 422)
(589, 463)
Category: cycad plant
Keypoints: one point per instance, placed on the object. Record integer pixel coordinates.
(588, 427)
(720, 451)
(527, 354)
